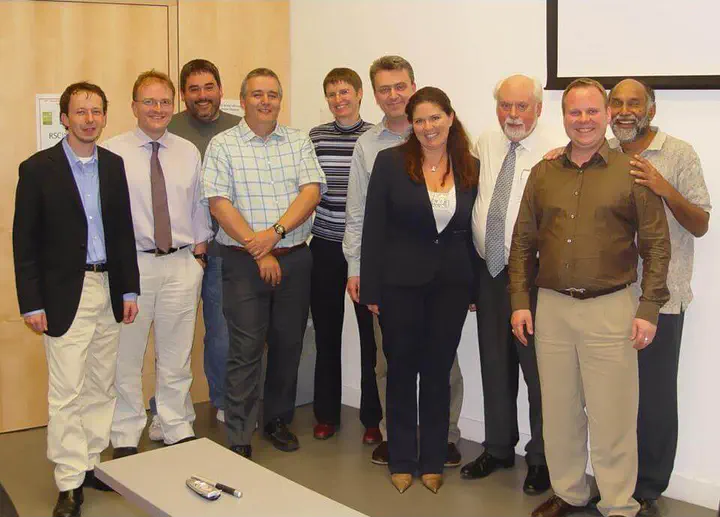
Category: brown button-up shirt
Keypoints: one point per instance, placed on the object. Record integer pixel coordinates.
(582, 221)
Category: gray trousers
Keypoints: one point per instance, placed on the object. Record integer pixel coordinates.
(257, 313)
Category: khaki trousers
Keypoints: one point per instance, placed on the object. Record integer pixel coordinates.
(81, 396)
(169, 297)
(456, 387)
(589, 375)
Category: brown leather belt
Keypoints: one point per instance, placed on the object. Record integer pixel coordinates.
(584, 294)
(275, 252)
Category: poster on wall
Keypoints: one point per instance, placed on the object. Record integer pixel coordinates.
(232, 106)
(49, 128)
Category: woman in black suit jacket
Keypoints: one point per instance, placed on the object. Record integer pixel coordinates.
(417, 275)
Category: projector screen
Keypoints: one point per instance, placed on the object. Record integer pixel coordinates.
(668, 44)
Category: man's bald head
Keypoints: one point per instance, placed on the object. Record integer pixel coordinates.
(518, 105)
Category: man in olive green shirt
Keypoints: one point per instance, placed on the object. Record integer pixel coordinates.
(582, 214)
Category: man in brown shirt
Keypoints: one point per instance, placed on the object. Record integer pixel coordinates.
(588, 219)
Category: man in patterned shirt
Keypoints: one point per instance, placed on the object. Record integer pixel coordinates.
(671, 169)
(262, 181)
(334, 143)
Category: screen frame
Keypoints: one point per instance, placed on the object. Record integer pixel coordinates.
(659, 82)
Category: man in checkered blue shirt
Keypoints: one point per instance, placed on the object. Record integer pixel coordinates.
(262, 182)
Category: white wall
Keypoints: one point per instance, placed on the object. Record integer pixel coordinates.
(464, 47)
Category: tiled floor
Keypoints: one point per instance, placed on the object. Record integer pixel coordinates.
(338, 468)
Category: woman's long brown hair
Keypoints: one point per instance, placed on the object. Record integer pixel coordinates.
(458, 144)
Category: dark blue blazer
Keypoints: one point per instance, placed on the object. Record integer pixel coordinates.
(400, 242)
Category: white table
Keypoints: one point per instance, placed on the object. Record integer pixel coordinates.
(155, 481)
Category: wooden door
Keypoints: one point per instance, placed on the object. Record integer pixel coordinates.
(44, 46)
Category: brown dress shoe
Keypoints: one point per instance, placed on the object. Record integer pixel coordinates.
(555, 507)
(380, 454)
(401, 481)
(432, 482)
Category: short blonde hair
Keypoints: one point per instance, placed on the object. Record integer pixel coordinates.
(585, 82)
(149, 76)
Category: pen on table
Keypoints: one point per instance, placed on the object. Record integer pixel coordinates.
(223, 488)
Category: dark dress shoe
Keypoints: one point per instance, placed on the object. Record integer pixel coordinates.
(484, 465)
(68, 503)
(91, 481)
(280, 436)
(380, 454)
(323, 431)
(243, 450)
(555, 507)
(453, 458)
(121, 452)
(182, 440)
(537, 480)
(648, 508)
(372, 436)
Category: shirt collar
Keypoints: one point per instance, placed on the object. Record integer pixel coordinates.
(144, 139)
(527, 143)
(655, 145)
(247, 134)
(601, 155)
(72, 157)
(658, 141)
(383, 128)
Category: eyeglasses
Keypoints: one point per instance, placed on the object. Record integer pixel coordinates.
(522, 107)
(386, 90)
(340, 93)
(151, 103)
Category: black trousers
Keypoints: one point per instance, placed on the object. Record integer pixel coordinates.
(658, 408)
(257, 313)
(421, 328)
(501, 358)
(327, 303)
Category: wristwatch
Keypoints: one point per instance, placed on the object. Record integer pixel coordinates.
(279, 229)
(201, 256)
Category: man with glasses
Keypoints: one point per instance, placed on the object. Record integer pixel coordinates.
(506, 156)
(171, 233)
(393, 82)
(201, 90)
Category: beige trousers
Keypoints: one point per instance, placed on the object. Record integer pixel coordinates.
(456, 387)
(589, 378)
(81, 395)
(169, 297)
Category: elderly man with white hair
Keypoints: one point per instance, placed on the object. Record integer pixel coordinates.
(506, 155)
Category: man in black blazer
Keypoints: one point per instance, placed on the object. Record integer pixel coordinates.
(77, 279)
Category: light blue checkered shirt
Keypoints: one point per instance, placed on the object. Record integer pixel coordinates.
(261, 177)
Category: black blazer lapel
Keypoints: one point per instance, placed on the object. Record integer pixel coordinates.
(105, 187)
(65, 175)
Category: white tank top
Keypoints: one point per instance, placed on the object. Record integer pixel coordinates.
(443, 206)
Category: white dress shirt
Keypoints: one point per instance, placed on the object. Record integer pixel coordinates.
(490, 149)
(180, 161)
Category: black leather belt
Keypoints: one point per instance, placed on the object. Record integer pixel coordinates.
(158, 252)
(96, 268)
(584, 294)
